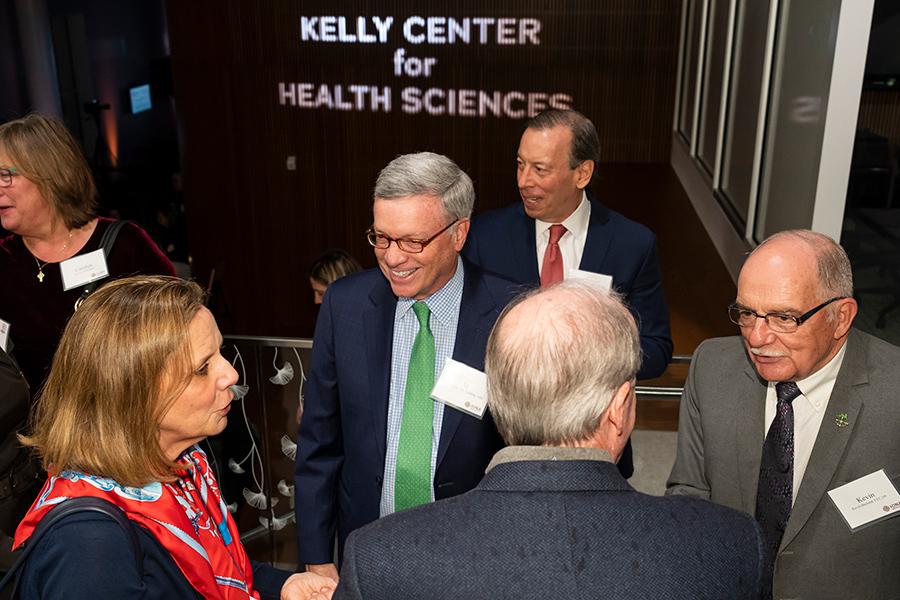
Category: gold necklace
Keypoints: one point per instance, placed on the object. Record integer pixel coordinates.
(40, 273)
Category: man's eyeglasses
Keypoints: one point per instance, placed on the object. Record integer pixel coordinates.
(6, 176)
(383, 242)
(776, 321)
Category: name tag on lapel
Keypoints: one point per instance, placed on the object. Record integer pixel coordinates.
(867, 500)
(4, 334)
(604, 282)
(461, 387)
(83, 269)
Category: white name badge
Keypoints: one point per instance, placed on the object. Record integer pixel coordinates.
(4, 335)
(866, 500)
(83, 269)
(462, 387)
(604, 282)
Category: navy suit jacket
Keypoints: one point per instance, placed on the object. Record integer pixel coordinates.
(557, 529)
(342, 442)
(502, 241)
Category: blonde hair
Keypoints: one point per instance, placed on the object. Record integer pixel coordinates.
(43, 151)
(332, 265)
(124, 357)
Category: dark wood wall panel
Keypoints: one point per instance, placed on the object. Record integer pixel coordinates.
(880, 112)
(260, 225)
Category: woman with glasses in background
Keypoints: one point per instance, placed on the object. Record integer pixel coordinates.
(48, 202)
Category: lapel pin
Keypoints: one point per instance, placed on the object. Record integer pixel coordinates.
(842, 420)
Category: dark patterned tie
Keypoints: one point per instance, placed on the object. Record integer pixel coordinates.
(776, 473)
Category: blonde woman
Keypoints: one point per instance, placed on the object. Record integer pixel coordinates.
(329, 267)
(137, 382)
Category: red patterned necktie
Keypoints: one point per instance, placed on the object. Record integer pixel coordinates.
(776, 473)
(552, 269)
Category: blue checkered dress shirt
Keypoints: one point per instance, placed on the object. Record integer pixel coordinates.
(444, 305)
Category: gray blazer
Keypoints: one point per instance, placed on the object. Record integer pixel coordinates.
(720, 439)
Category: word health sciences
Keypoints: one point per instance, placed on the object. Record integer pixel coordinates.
(413, 100)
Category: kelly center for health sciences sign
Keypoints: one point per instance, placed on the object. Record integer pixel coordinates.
(413, 45)
(290, 108)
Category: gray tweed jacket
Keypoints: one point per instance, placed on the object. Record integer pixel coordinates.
(555, 528)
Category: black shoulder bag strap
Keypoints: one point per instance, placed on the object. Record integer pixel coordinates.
(106, 243)
(75, 505)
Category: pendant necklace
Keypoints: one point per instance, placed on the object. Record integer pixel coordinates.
(40, 273)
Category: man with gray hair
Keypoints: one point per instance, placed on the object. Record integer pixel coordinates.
(553, 517)
(800, 404)
(372, 440)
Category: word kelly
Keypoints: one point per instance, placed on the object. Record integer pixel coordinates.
(419, 30)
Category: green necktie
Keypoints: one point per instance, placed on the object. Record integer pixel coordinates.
(412, 485)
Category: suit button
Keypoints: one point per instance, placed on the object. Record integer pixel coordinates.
(379, 479)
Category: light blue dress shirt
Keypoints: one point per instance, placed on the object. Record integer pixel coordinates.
(444, 306)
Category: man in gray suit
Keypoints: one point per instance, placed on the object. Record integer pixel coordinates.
(798, 405)
(553, 517)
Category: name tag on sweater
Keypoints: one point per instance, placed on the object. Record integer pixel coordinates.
(83, 269)
(462, 387)
(866, 500)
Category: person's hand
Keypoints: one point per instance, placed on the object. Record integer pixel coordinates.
(325, 570)
(308, 586)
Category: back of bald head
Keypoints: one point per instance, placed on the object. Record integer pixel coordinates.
(554, 361)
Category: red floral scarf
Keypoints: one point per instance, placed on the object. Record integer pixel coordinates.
(187, 516)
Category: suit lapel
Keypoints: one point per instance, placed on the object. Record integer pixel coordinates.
(472, 329)
(524, 247)
(846, 397)
(750, 433)
(378, 324)
(598, 239)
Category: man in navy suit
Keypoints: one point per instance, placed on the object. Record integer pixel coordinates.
(558, 227)
(553, 517)
(557, 158)
(372, 441)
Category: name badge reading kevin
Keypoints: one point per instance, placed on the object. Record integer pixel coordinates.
(4, 335)
(866, 500)
(604, 282)
(462, 387)
(83, 269)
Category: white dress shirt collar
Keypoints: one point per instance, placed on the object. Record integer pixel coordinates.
(824, 377)
(573, 240)
(576, 223)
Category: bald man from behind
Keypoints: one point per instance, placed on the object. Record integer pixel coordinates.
(553, 517)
